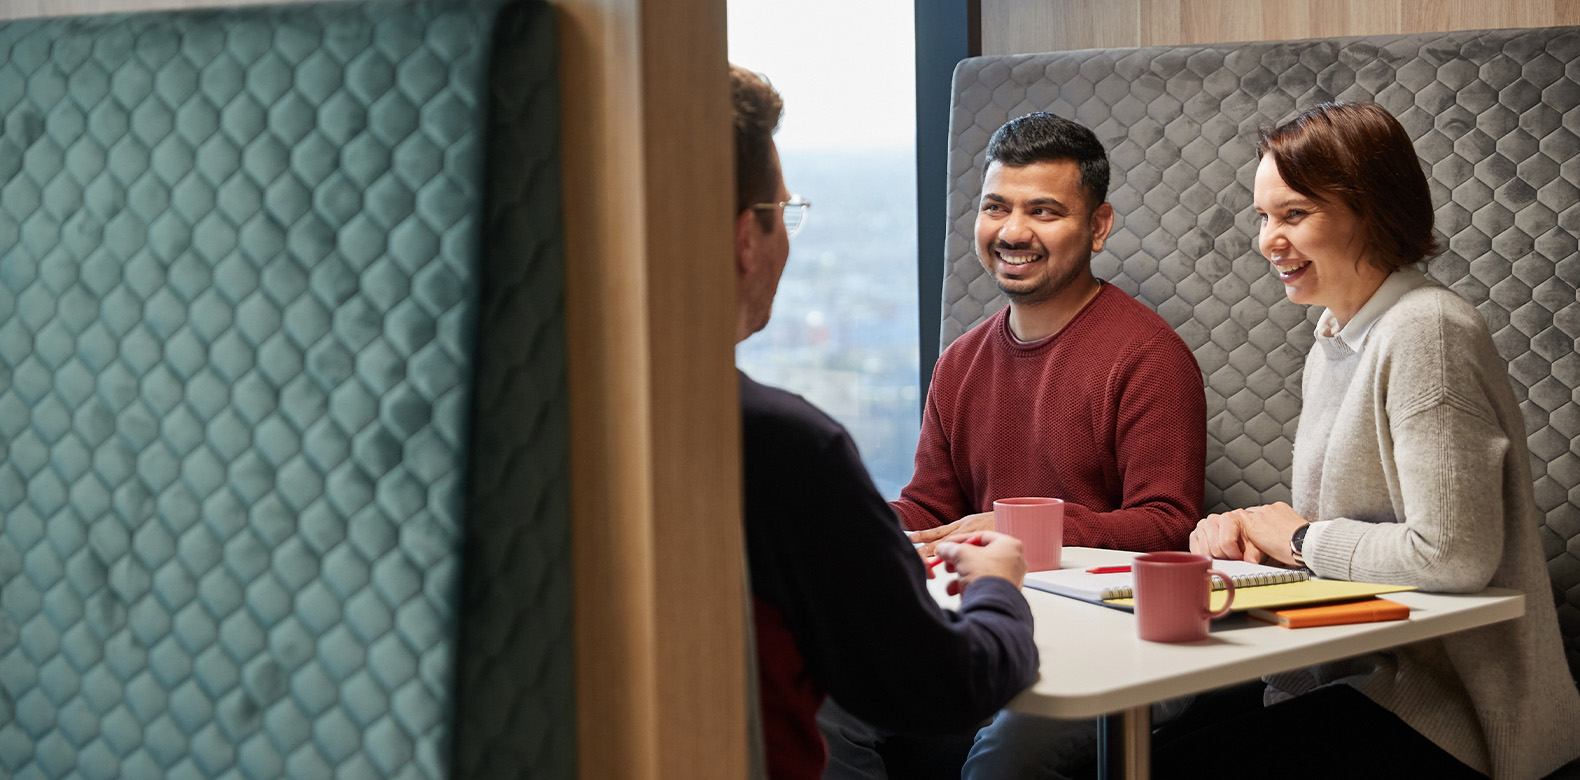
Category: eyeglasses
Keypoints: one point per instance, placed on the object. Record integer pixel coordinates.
(794, 212)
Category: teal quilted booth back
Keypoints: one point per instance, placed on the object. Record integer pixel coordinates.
(282, 410)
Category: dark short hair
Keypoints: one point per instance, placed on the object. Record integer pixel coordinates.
(1043, 137)
(757, 107)
(1359, 156)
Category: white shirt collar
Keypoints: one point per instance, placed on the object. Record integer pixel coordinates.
(1353, 334)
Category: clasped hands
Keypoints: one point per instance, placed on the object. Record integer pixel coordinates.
(1254, 534)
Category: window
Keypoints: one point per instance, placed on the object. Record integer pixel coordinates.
(844, 324)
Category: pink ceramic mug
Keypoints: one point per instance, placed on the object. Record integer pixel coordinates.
(1039, 525)
(1172, 595)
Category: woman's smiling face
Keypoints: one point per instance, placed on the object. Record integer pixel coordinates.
(1315, 246)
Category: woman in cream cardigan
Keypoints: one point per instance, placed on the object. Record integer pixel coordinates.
(1410, 467)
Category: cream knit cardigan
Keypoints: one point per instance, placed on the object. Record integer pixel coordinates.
(1410, 458)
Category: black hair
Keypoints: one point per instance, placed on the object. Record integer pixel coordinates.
(1043, 137)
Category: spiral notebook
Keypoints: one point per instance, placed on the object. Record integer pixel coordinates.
(1098, 588)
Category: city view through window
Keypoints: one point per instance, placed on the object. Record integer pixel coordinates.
(844, 331)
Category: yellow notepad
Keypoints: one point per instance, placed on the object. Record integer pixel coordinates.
(1311, 591)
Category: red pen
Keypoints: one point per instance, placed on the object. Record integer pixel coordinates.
(1108, 570)
(976, 540)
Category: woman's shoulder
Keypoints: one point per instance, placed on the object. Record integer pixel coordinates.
(1433, 311)
(1434, 344)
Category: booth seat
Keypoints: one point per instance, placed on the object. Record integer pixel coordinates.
(1496, 119)
(283, 472)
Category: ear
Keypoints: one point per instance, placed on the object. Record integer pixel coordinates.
(747, 237)
(1102, 223)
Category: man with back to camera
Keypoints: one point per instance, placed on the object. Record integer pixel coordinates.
(839, 595)
(1074, 391)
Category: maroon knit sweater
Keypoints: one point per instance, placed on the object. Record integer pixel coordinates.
(1107, 414)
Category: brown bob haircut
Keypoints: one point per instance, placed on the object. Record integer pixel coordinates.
(1358, 156)
(756, 106)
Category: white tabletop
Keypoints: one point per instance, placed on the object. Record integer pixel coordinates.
(1094, 664)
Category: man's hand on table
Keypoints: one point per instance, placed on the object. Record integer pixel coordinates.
(982, 554)
(929, 538)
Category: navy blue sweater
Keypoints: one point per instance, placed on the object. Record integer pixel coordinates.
(841, 601)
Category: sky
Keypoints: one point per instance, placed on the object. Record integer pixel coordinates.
(844, 67)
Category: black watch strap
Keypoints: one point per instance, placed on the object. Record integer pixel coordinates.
(1297, 544)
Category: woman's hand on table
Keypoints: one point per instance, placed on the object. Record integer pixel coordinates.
(929, 538)
(982, 554)
(1253, 534)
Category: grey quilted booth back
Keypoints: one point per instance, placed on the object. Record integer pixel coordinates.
(1495, 116)
(281, 345)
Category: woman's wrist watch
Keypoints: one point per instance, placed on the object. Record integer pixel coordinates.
(1297, 544)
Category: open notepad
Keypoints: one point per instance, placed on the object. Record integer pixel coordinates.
(1083, 585)
(1256, 586)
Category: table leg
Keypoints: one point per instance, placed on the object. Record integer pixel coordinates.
(1124, 745)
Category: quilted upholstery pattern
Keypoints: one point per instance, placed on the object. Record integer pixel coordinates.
(516, 686)
(1496, 118)
(240, 284)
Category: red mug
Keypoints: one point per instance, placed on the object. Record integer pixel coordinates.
(1039, 525)
(1172, 595)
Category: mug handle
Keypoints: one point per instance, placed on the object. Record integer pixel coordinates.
(1228, 587)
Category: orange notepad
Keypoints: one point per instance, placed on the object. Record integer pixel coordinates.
(1365, 611)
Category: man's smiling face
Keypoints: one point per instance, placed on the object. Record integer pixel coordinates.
(1035, 231)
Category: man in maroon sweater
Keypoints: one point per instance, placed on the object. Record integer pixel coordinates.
(1075, 391)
